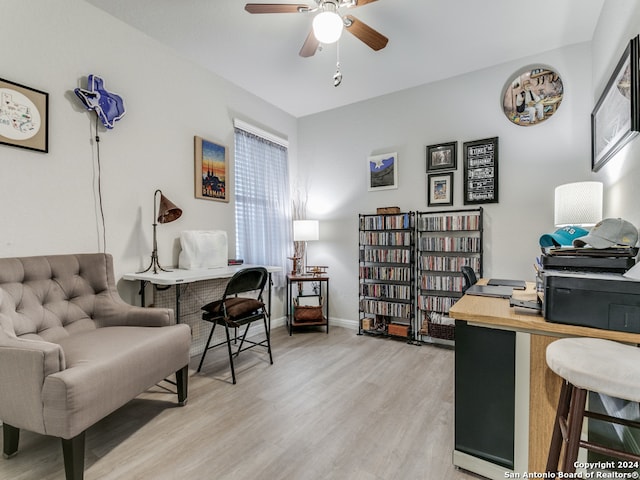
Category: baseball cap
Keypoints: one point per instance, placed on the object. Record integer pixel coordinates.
(562, 236)
(608, 233)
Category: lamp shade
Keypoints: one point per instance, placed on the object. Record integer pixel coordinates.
(167, 211)
(578, 204)
(327, 27)
(305, 230)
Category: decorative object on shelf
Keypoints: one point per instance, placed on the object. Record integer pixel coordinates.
(316, 270)
(382, 172)
(440, 189)
(442, 156)
(578, 204)
(24, 117)
(306, 231)
(167, 212)
(296, 268)
(211, 170)
(615, 120)
(532, 96)
(481, 171)
(108, 106)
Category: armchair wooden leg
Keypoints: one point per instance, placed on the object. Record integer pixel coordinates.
(182, 382)
(11, 438)
(73, 453)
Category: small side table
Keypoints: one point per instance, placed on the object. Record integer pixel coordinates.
(323, 282)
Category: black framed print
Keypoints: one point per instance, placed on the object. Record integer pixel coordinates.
(615, 118)
(481, 171)
(442, 156)
(440, 189)
(24, 116)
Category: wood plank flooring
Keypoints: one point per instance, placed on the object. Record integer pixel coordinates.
(336, 406)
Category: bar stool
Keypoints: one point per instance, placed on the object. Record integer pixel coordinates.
(589, 365)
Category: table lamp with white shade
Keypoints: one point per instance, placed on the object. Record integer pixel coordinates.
(305, 231)
(578, 204)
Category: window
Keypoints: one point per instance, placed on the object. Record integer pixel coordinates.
(263, 206)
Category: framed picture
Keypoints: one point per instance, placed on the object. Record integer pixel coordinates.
(382, 171)
(211, 170)
(532, 96)
(614, 120)
(24, 117)
(481, 171)
(440, 189)
(442, 157)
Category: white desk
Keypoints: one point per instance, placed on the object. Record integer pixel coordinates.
(178, 276)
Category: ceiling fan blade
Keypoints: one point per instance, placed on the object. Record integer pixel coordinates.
(310, 45)
(275, 7)
(364, 32)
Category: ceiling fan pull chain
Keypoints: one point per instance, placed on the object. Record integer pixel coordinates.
(337, 77)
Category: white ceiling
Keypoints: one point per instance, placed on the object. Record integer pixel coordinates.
(429, 40)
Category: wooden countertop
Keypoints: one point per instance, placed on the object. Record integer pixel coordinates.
(496, 312)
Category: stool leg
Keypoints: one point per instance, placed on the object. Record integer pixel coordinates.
(556, 438)
(574, 429)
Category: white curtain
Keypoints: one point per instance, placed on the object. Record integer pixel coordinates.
(263, 205)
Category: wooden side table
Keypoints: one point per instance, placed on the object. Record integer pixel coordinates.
(323, 293)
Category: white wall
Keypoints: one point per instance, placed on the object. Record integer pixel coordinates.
(333, 150)
(49, 200)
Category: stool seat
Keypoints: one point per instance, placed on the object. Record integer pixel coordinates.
(597, 365)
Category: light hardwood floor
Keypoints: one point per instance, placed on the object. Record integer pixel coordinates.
(336, 406)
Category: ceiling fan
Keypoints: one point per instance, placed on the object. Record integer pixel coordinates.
(327, 11)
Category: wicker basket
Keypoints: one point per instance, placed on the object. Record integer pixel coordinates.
(307, 313)
(442, 331)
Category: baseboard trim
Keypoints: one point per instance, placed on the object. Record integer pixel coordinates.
(338, 322)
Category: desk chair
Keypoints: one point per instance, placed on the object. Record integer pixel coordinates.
(589, 365)
(469, 277)
(233, 311)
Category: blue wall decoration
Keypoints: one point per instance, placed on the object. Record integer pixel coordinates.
(108, 106)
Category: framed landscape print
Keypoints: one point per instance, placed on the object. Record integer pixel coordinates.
(24, 117)
(442, 157)
(615, 118)
(211, 170)
(382, 171)
(481, 171)
(440, 189)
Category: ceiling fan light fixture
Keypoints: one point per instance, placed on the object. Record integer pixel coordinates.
(327, 27)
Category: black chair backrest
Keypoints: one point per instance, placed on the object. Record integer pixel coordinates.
(469, 277)
(247, 280)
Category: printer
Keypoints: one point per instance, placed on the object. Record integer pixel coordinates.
(604, 300)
